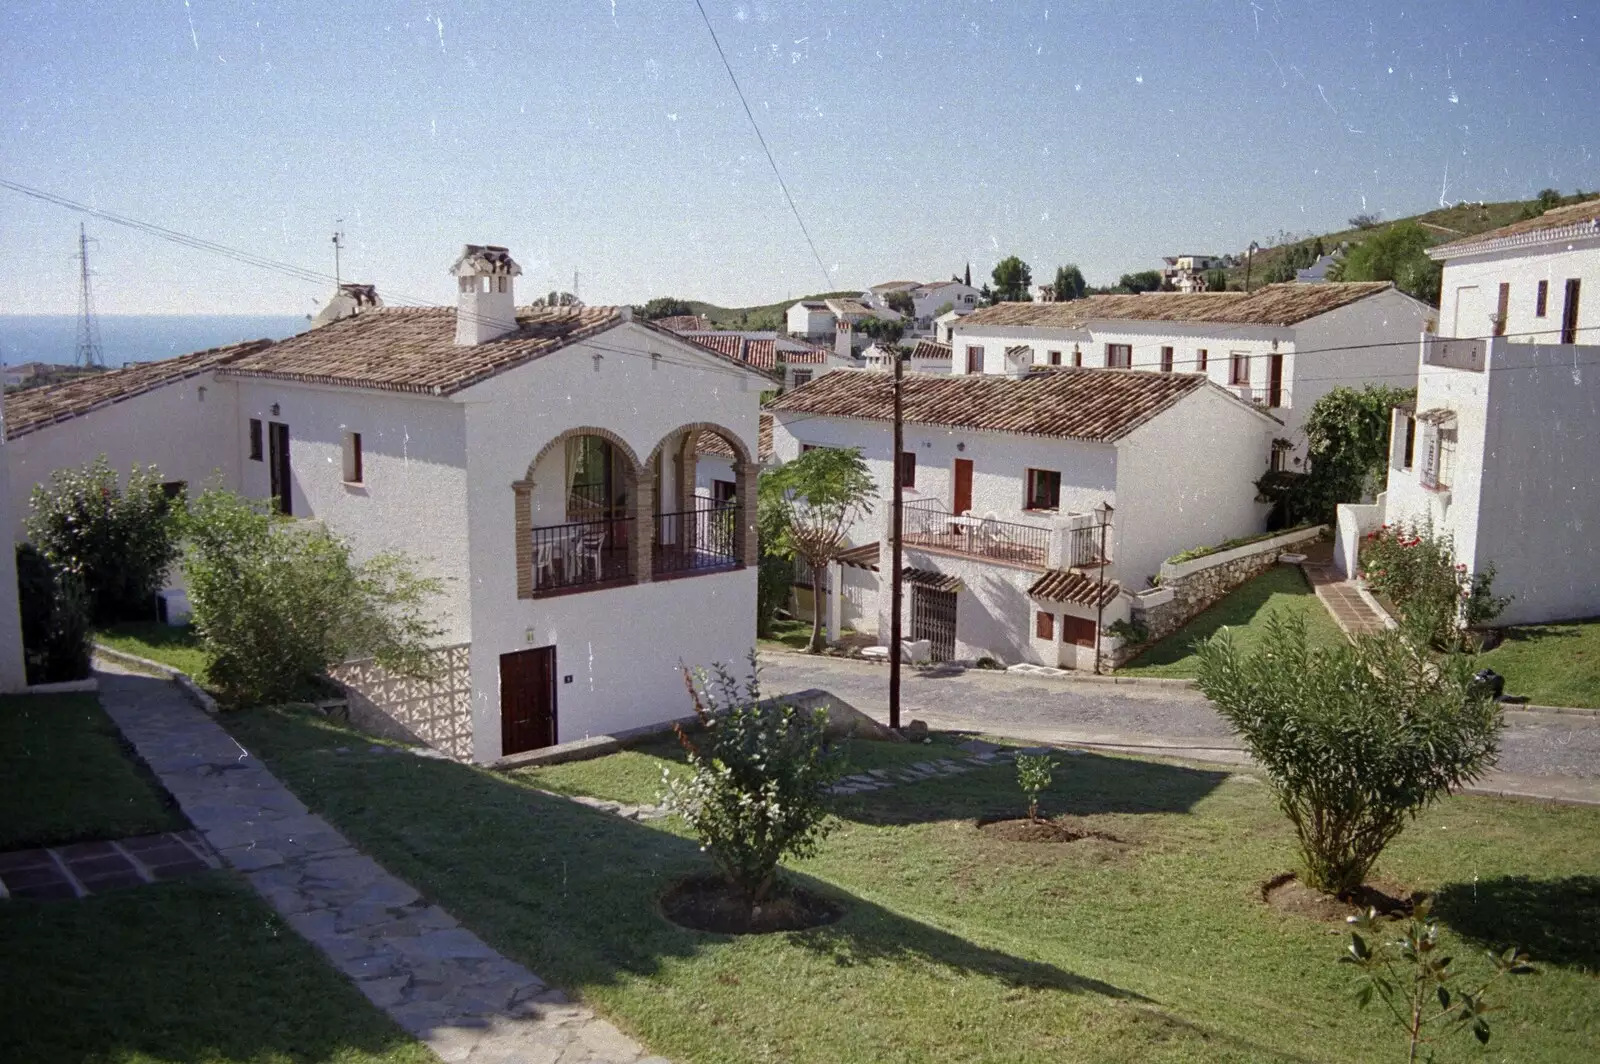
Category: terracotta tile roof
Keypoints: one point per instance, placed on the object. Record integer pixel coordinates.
(1275, 304)
(726, 344)
(413, 349)
(895, 286)
(1064, 585)
(1100, 405)
(761, 351)
(931, 580)
(804, 354)
(685, 323)
(928, 349)
(31, 410)
(862, 557)
(711, 443)
(1529, 229)
(763, 437)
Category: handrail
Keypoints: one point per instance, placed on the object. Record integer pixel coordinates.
(705, 537)
(581, 552)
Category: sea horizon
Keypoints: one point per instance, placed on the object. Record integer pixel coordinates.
(128, 338)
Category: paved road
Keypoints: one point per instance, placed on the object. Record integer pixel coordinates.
(1543, 754)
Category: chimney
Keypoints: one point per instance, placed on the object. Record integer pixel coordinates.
(486, 307)
(348, 301)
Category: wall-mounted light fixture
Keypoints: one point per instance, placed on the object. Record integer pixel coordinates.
(961, 446)
(274, 409)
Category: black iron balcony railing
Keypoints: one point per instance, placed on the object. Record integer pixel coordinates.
(581, 553)
(706, 537)
(926, 523)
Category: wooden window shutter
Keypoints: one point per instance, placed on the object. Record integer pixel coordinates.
(1044, 625)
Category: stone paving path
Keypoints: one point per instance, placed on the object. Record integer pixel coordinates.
(434, 977)
(79, 869)
(1348, 608)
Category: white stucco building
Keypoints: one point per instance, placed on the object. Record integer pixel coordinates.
(1280, 347)
(810, 319)
(1038, 504)
(788, 361)
(1187, 273)
(927, 299)
(923, 356)
(1502, 450)
(542, 463)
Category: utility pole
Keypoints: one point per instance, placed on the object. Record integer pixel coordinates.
(338, 245)
(894, 548)
(1249, 260)
(89, 353)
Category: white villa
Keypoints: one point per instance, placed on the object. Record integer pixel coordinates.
(1502, 451)
(926, 299)
(924, 356)
(1187, 273)
(1280, 347)
(1037, 504)
(541, 462)
(788, 361)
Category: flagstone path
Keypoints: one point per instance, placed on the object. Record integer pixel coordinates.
(1350, 611)
(434, 977)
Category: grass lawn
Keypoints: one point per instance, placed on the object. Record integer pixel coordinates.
(956, 946)
(178, 647)
(1553, 664)
(1281, 588)
(67, 775)
(199, 970)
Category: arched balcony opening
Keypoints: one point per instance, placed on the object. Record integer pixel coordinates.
(704, 515)
(577, 515)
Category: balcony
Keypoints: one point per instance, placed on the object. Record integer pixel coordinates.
(695, 540)
(1074, 542)
(582, 554)
(1453, 354)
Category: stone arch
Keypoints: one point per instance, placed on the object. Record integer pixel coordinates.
(741, 454)
(585, 430)
(641, 499)
(745, 470)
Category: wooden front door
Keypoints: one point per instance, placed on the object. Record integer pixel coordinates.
(961, 501)
(1275, 381)
(278, 465)
(527, 700)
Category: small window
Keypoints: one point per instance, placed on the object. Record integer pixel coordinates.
(1077, 630)
(974, 359)
(255, 439)
(1411, 443)
(908, 469)
(1201, 358)
(724, 492)
(1240, 370)
(1044, 625)
(1502, 309)
(352, 458)
(1055, 358)
(1166, 360)
(802, 376)
(806, 448)
(1569, 313)
(1280, 456)
(1119, 356)
(1044, 490)
(1077, 357)
(1541, 302)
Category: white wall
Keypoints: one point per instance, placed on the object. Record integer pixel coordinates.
(186, 438)
(1187, 479)
(12, 674)
(622, 646)
(858, 606)
(1370, 341)
(1470, 291)
(799, 321)
(412, 498)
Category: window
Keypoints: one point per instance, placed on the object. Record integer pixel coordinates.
(802, 376)
(1239, 372)
(1044, 490)
(1166, 360)
(974, 359)
(255, 439)
(1077, 357)
(1055, 358)
(1119, 356)
(1569, 313)
(1439, 455)
(724, 491)
(1280, 456)
(352, 458)
(1409, 458)
(804, 447)
(1500, 310)
(908, 469)
(1077, 630)
(1200, 360)
(1541, 302)
(1044, 625)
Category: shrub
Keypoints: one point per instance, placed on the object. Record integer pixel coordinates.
(55, 619)
(1438, 600)
(1033, 776)
(758, 785)
(277, 603)
(119, 541)
(1355, 740)
(1410, 976)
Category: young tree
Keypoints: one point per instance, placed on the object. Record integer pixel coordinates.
(816, 498)
(901, 302)
(1012, 278)
(1355, 740)
(1069, 284)
(277, 604)
(119, 541)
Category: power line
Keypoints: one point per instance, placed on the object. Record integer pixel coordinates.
(827, 281)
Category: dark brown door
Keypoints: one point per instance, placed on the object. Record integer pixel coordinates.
(933, 617)
(527, 700)
(1569, 313)
(962, 501)
(278, 464)
(1275, 381)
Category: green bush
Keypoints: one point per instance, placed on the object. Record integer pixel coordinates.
(55, 619)
(1355, 740)
(1033, 776)
(277, 603)
(1438, 600)
(119, 541)
(758, 785)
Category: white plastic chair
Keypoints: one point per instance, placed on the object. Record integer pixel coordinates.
(544, 561)
(590, 544)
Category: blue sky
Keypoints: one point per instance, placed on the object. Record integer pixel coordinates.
(605, 137)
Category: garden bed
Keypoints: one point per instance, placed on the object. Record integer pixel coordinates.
(710, 903)
(1027, 829)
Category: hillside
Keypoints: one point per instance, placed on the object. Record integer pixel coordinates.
(768, 316)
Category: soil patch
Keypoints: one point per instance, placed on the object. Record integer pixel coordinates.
(1060, 829)
(1285, 893)
(711, 903)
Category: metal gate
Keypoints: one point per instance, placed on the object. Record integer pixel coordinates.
(933, 617)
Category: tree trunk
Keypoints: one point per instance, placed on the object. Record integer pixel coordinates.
(818, 641)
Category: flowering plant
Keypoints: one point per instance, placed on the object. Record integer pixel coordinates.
(1437, 598)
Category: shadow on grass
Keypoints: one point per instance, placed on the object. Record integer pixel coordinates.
(571, 892)
(1085, 784)
(1557, 921)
